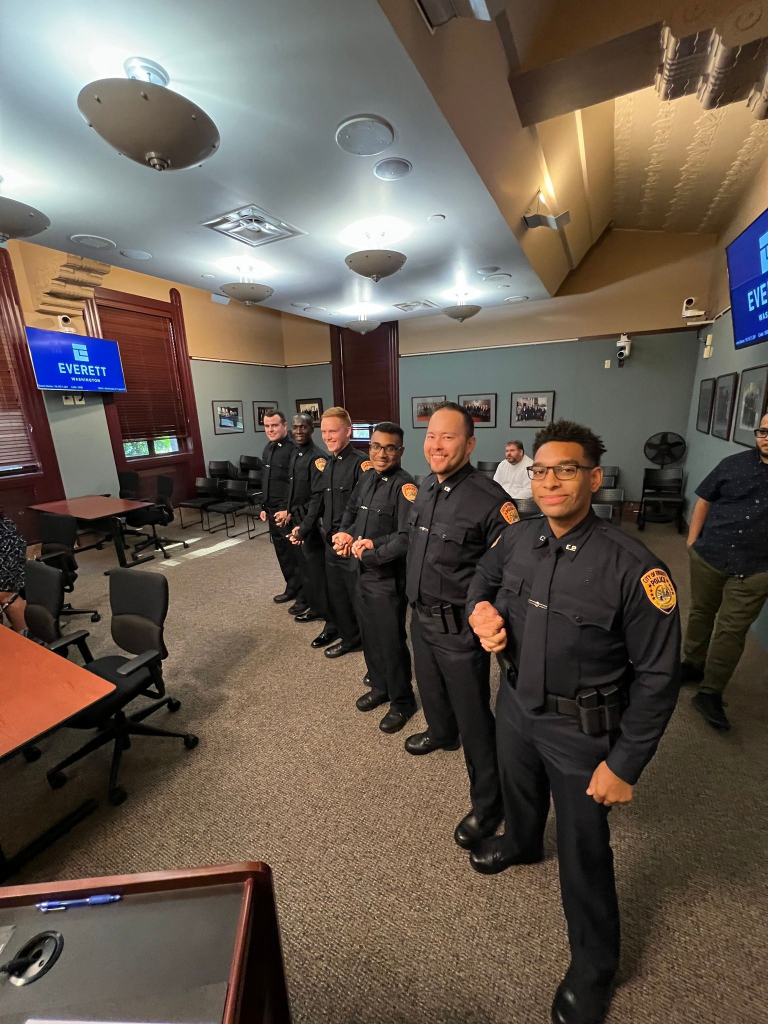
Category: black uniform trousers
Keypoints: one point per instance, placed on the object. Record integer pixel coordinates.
(547, 753)
(311, 563)
(341, 576)
(381, 608)
(286, 554)
(453, 676)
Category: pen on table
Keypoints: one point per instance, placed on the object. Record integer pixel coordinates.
(87, 901)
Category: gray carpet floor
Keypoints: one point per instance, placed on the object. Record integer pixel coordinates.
(382, 919)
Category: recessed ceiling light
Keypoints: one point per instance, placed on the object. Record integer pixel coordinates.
(209, 277)
(516, 298)
(485, 271)
(393, 168)
(244, 266)
(93, 241)
(365, 135)
(498, 277)
(300, 305)
(362, 309)
(136, 254)
(436, 218)
(375, 233)
(315, 309)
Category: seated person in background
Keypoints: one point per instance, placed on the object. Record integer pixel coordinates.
(512, 473)
(13, 555)
(728, 549)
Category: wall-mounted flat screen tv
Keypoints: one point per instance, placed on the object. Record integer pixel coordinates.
(73, 362)
(748, 276)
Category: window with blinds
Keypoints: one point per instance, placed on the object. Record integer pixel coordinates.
(17, 453)
(153, 403)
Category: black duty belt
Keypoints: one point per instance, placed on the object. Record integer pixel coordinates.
(598, 710)
(450, 617)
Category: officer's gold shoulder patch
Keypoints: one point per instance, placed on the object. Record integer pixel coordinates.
(366, 465)
(320, 464)
(410, 491)
(660, 590)
(509, 512)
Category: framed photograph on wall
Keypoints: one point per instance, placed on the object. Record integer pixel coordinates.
(422, 407)
(725, 397)
(262, 407)
(531, 408)
(706, 399)
(311, 406)
(228, 416)
(750, 408)
(482, 409)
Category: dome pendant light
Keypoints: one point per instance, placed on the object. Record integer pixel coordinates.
(362, 326)
(147, 122)
(247, 292)
(461, 312)
(375, 263)
(17, 220)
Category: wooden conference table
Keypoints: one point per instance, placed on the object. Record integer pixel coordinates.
(94, 508)
(39, 692)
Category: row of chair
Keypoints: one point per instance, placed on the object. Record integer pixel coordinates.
(225, 470)
(227, 498)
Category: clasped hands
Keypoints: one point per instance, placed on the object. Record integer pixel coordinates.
(488, 626)
(345, 545)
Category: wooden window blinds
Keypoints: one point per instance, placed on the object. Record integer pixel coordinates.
(152, 405)
(16, 448)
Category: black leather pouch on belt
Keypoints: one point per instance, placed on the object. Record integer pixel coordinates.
(600, 710)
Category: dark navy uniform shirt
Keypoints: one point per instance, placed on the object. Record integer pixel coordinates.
(735, 534)
(275, 474)
(378, 510)
(307, 462)
(451, 526)
(333, 490)
(612, 617)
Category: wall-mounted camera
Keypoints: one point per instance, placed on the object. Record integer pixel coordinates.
(65, 324)
(689, 308)
(623, 348)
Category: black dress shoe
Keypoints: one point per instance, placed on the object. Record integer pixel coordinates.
(422, 743)
(370, 700)
(472, 829)
(690, 673)
(298, 608)
(325, 638)
(367, 679)
(284, 597)
(395, 719)
(308, 616)
(710, 707)
(577, 1004)
(488, 858)
(340, 648)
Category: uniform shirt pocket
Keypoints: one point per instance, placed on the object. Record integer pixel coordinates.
(451, 548)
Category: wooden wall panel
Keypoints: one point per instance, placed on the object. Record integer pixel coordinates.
(365, 373)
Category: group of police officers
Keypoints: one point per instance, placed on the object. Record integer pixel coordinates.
(583, 619)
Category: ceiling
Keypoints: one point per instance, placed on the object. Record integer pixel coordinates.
(678, 167)
(277, 78)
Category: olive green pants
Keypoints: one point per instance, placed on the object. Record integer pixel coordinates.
(722, 610)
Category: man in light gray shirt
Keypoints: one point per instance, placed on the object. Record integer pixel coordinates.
(512, 473)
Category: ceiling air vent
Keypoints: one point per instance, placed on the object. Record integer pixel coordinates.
(416, 304)
(438, 12)
(254, 226)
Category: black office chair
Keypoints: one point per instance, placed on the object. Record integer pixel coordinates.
(613, 496)
(221, 471)
(663, 491)
(527, 508)
(129, 485)
(160, 513)
(234, 500)
(250, 464)
(489, 468)
(207, 494)
(58, 535)
(603, 511)
(139, 602)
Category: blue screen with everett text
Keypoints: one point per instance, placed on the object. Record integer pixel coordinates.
(748, 275)
(73, 362)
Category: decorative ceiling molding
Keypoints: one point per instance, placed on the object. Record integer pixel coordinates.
(659, 150)
(623, 121)
(706, 128)
(745, 161)
(66, 282)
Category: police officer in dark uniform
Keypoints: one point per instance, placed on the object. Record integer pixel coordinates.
(585, 618)
(344, 467)
(307, 463)
(370, 531)
(457, 515)
(274, 487)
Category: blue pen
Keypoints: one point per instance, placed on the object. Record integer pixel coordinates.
(89, 901)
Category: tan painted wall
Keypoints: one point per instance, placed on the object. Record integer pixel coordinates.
(235, 332)
(633, 281)
(305, 341)
(754, 201)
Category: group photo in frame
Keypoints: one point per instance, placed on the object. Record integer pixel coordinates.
(482, 409)
(706, 402)
(422, 407)
(312, 407)
(228, 416)
(262, 407)
(725, 399)
(531, 408)
(751, 405)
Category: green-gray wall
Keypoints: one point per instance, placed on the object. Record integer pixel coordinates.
(651, 392)
(83, 448)
(704, 450)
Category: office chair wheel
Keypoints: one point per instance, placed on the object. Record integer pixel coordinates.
(31, 754)
(117, 795)
(166, 555)
(190, 741)
(186, 545)
(173, 704)
(95, 617)
(56, 780)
